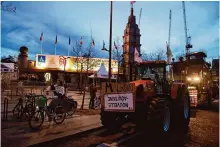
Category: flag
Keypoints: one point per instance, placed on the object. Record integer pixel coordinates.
(132, 2)
(81, 41)
(93, 42)
(41, 36)
(137, 57)
(56, 40)
(69, 40)
(103, 44)
(115, 46)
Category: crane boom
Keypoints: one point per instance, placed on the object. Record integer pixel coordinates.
(187, 38)
(184, 18)
(140, 18)
(170, 17)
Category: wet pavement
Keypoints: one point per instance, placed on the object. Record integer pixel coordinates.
(203, 132)
(18, 134)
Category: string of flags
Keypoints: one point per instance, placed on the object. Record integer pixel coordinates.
(56, 40)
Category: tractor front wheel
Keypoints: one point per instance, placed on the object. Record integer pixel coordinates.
(159, 115)
(110, 120)
(183, 111)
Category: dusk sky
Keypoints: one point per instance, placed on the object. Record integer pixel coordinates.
(73, 19)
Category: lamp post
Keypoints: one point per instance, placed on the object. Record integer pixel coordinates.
(110, 44)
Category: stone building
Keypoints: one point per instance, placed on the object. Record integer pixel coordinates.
(131, 40)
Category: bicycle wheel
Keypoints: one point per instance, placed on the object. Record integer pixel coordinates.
(96, 103)
(17, 111)
(29, 110)
(36, 120)
(72, 111)
(60, 115)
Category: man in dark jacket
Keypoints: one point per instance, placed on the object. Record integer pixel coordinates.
(92, 90)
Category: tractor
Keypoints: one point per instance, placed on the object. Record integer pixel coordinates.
(149, 102)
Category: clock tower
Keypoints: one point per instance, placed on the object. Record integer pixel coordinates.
(131, 40)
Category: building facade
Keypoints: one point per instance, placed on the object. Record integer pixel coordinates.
(54, 67)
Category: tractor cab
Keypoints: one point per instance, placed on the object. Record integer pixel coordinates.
(154, 71)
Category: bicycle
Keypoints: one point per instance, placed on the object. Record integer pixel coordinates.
(20, 109)
(42, 110)
(97, 102)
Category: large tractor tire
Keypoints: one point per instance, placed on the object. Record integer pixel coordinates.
(183, 109)
(110, 120)
(159, 116)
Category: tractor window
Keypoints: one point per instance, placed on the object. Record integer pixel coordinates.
(150, 73)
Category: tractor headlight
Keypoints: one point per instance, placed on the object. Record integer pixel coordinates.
(196, 79)
(189, 79)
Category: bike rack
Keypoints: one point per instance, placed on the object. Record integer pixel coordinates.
(5, 111)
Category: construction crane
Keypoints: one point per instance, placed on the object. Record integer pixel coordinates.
(139, 18)
(188, 38)
(170, 17)
(169, 53)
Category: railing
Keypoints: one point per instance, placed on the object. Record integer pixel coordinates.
(5, 111)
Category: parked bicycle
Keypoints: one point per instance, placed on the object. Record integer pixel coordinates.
(25, 106)
(97, 102)
(56, 114)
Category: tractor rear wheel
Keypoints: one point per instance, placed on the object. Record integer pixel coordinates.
(159, 116)
(183, 110)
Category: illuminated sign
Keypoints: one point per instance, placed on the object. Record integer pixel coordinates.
(47, 76)
(41, 59)
(73, 64)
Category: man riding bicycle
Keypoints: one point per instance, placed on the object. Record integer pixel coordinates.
(59, 92)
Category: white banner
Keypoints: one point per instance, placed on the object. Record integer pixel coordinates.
(119, 102)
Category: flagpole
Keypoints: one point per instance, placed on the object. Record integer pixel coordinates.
(55, 48)
(41, 47)
(69, 50)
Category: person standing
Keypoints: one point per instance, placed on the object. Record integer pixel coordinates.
(92, 90)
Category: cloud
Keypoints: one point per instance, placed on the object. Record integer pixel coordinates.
(73, 19)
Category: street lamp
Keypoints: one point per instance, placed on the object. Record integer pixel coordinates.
(104, 49)
(110, 44)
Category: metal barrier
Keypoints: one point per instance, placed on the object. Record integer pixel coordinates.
(5, 111)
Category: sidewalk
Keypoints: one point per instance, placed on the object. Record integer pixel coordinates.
(18, 134)
(74, 94)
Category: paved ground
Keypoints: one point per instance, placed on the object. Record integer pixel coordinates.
(204, 132)
(18, 134)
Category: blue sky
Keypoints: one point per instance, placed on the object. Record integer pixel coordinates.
(73, 19)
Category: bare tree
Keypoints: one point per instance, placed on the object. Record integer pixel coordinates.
(148, 56)
(158, 55)
(78, 52)
(89, 64)
(117, 53)
(9, 59)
